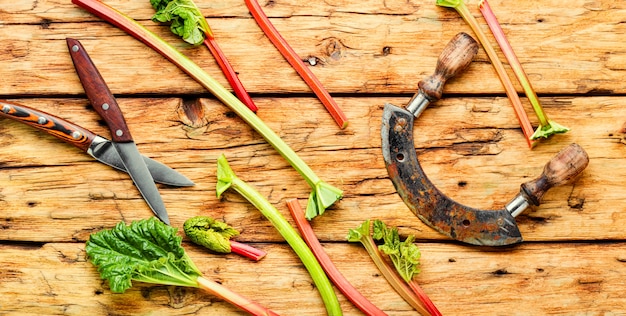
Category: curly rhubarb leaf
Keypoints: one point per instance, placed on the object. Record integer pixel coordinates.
(210, 233)
(405, 255)
(186, 19)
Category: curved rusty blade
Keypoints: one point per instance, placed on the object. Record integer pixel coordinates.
(470, 225)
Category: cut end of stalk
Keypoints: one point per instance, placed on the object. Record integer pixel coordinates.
(551, 129)
(225, 175)
(323, 196)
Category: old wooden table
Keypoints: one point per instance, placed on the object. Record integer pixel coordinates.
(52, 196)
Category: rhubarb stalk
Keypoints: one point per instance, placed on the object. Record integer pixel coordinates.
(405, 257)
(462, 9)
(322, 196)
(226, 179)
(296, 62)
(188, 22)
(362, 234)
(333, 273)
(546, 126)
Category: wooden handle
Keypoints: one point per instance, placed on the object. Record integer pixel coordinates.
(563, 168)
(53, 125)
(101, 98)
(455, 57)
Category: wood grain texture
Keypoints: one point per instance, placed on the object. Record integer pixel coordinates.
(366, 53)
(56, 279)
(390, 44)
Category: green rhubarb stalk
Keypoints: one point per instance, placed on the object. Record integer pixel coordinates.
(216, 236)
(362, 234)
(188, 22)
(546, 126)
(322, 196)
(226, 179)
(150, 251)
(461, 8)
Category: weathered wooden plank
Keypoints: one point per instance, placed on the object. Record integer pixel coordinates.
(374, 47)
(56, 279)
(471, 148)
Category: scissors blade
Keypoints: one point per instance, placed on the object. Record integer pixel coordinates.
(104, 103)
(103, 151)
(140, 174)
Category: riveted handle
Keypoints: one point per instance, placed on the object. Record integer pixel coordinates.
(561, 169)
(48, 123)
(98, 93)
(454, 58)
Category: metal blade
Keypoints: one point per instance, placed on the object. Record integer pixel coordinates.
(140, 174)
(102, 150)
(470, 225)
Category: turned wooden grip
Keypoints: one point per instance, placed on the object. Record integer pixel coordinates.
(98, 93)
(454, 58)
(53, 125)
(561, 169)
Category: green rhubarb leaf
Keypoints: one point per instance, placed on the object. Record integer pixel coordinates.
(210, 233)
(551, 129)
(146, 251)
(405, 255)
(186, 19)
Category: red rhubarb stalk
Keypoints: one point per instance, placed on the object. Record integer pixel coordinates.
(230, 73)
(296, 62)
(362, 303)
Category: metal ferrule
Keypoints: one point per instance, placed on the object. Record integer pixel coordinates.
(418, 104)
(517, 205)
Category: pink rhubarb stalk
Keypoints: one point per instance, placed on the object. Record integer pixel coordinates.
(247, 250)
(461, 8)
(294, 60)
(331, 270)
(546, 127)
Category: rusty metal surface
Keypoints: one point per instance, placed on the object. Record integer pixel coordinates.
(460, 222)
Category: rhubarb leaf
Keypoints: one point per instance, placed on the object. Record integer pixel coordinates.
(405, 255)
(210, 233)
(146, 251)
(186, 19)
